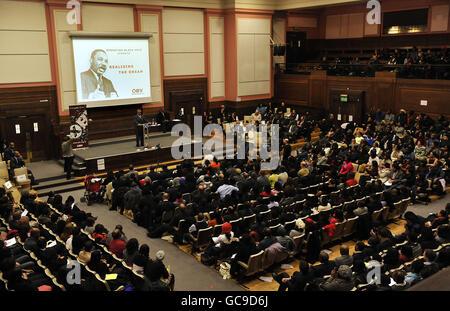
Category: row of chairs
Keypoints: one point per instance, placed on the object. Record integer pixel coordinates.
(406, 266)
(21, 178)
(52, 279)
(348, 227)
(92, 276)
(102, 284)
(260, 262)
(343, 230)
(256, 263)
(385, 214)
(204, 235)
(138, 279)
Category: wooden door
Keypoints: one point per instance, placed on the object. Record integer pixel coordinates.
(37, 127)
(16, 129)
(347, 106)
(30, 136)
(191, 102)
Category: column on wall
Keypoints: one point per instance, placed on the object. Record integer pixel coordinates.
(150, 22)
(66, 82)
(254, 56)
(216, 57)
(279, 36)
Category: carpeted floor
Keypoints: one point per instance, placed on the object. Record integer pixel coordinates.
(46, 169)
(425, 210)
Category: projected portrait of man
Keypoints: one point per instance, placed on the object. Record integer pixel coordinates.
(93, 83)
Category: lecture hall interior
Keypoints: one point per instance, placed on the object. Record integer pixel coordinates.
(351, 98)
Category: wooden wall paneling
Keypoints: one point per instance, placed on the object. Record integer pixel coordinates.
(113, 121)
(294, 89)
(187, 84)
(437, 92)
(137, 159)
(174, 89)
(317, 90)
(353, 84)
(33, 102)
(352, 108)
(384, 90)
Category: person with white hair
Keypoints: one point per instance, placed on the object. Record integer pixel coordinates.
(157, 271)
(340, 280)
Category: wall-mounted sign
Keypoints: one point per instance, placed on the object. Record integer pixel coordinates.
(100, 164)
(17, 128)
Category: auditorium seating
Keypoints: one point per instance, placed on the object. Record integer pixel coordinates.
(202, 239)
(21, 178)
(96, 282)
(254, 264)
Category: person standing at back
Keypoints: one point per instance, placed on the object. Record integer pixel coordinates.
(68, 156)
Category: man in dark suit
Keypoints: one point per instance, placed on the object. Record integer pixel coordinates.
(345, 258)
(139, 121)
(325, 267)
(10, 151)
(287, 149)
(155, 214)
(222, 114)
(430, 266)
(163, 118)
(298, 280)
(93, 84)
(18, 162)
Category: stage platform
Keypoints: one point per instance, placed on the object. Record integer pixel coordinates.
(118, 153)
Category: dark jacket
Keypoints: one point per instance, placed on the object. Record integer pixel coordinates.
(323, 269)
(337, 284)
(89, 84)
(245, 251)
(156, 270)
(429, 269)
(298, 281)
(344, 260)
(138, 119)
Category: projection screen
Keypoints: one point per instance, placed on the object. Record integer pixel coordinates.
(111, 71)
